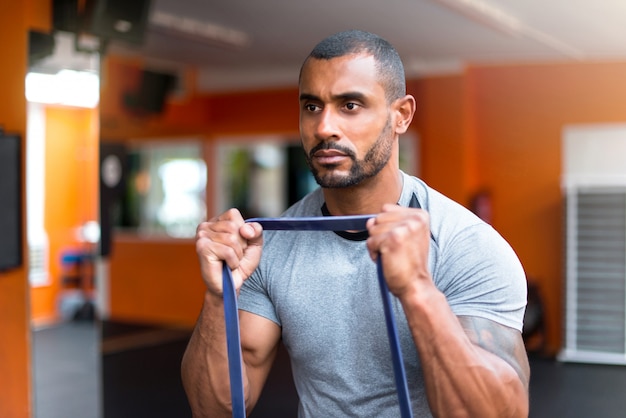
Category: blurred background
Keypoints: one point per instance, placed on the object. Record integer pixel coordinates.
(124, 124)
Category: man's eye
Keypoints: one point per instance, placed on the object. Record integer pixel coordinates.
(351, 106)
(311, 107)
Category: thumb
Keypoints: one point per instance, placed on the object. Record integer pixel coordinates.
(253, 233)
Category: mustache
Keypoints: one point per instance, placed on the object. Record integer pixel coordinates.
(334, 146)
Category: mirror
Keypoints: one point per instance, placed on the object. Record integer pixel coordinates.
(62, 88)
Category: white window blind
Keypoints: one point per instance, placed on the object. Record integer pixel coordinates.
(594, 181)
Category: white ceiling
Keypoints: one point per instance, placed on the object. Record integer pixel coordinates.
(432, 36)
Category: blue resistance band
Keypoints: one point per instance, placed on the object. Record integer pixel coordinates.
(326, 223)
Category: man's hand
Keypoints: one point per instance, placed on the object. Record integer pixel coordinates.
(402, 237)
(227, 238)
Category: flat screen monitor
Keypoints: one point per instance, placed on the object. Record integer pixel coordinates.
(10, 201)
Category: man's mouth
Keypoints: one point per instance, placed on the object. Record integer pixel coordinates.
(329, 156)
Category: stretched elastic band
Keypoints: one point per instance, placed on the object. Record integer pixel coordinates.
(233, 344)
(314, 223)
(394, 342)
(326, 223)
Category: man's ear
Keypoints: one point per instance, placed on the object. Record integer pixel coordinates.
(405, 109)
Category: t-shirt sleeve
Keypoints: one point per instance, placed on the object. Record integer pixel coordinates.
(254, 298)
(482, 276)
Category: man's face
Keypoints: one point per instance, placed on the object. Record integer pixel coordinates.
(345, 121)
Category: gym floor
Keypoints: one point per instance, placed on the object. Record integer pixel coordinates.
(135, 372)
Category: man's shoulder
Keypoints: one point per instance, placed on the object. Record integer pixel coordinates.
(447, 216)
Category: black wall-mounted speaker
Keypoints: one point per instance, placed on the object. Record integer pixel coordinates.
(10, 201)
(65, 15)
(149, 97)
(109, 20)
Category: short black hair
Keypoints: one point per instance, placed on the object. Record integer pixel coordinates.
(389, 64)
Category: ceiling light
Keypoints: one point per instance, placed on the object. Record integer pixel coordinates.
(486, 14)
(203, 31)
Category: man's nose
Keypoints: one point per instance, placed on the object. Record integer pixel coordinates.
(328, 125)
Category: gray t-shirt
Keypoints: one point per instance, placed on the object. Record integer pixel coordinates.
(322, 290)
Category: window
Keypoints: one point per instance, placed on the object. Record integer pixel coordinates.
(165, 191)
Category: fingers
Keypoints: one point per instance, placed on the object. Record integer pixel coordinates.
(401, 236)
(228, 239)
(251, 231)
(394, 226)
(219, 238)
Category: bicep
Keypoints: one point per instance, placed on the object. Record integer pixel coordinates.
(499, 340)
(259, 344)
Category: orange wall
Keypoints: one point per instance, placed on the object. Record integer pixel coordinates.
(519, 114)
(71, 190)
(15, 18)
(441, 120)
(155, 281)
(257, 112)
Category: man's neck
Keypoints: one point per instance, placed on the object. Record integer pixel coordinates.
(367, 197)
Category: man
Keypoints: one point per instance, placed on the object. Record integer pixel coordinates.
(459, 288)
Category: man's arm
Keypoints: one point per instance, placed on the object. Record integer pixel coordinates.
(205, 362)
(226, 239)
(504, 342)
(473, 367)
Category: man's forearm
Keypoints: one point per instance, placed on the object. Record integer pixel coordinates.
(462, 378)
(204, 367)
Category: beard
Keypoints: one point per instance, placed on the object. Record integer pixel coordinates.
(372, 163)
